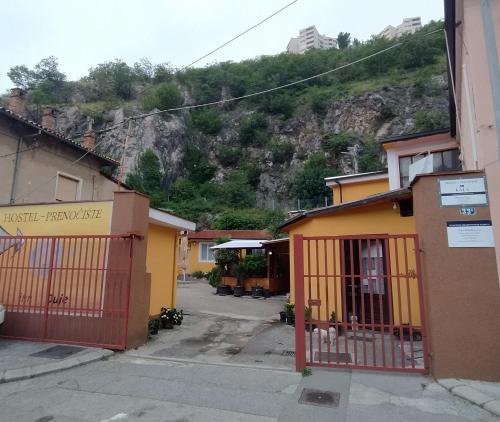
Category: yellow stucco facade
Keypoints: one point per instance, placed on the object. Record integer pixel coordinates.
(324, 259)
(161, 262)
(195, 264)
(353, 191)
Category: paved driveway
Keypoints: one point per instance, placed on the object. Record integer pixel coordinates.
(224, 329)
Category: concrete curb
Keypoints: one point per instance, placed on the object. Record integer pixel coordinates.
(466, 392)
(18, 374)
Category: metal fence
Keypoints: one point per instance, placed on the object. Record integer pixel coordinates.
(66, 289)
(359, 303)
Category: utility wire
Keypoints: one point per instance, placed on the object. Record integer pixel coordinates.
(266, 91)
(240, 34)
(141, 116)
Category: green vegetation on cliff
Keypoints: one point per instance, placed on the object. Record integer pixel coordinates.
(219, 185)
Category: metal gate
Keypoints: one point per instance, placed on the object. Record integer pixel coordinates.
(66, 289)
(359, 303)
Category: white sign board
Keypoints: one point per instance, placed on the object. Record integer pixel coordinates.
(457, 192)
(470, 234)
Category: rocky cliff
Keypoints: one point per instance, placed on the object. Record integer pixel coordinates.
(379, 113)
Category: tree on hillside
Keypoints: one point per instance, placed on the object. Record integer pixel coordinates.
(147, 178)
(309, 184)
(165, 96)
(45, 82)
(344, 40)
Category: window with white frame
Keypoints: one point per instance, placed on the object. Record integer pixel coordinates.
(447, 160)
(207, 254)
(68, 188)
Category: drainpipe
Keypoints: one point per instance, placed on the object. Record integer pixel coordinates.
(14, 174)
(16, 166)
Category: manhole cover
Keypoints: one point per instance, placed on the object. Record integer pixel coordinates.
(319, 398)
(288, 353)
(333, 357)
(57, 352)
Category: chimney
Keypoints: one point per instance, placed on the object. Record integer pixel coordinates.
(17, 101)
(88, 140)
(49, 118)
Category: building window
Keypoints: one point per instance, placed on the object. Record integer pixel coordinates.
(68, 188)
(447, 160)
(207, 254)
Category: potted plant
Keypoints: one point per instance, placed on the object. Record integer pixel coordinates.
(333, 321)
(290, 315)
(283, 313)
(166, 318)
(153, 326)
(241, 273)
(307, 316)
(257, 291)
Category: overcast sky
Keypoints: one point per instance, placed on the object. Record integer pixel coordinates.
(83, 33)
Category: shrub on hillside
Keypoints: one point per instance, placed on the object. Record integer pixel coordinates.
(281, 149)
(164, 97)
(207, 120)
(251, 130)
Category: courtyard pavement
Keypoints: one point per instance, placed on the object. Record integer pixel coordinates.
(226, 363)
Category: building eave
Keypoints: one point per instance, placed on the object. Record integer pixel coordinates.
(394, 195)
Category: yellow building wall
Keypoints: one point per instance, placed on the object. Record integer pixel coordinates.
(194, 256)
(161, 262)
(322, 260)
(358, 190)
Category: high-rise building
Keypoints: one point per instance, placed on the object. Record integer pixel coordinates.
(408, 26)
(310, 38)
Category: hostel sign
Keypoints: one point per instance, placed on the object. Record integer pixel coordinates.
(463, 192)
(57, 219)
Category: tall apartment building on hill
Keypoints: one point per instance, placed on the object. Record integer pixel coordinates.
(408, 26)
(310, 38)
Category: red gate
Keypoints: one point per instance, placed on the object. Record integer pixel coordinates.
(359, 303)
(66, 289)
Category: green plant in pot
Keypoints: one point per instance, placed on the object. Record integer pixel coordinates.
(283, 313)
(153, 326)
(333, 322)
(241, 273)
(225, 260)
(290, 313)
(307, 316)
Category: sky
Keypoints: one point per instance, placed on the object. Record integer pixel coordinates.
(84, 33)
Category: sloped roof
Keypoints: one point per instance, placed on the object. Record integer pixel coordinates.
(56, 135)
(233, 234)
(393, 195)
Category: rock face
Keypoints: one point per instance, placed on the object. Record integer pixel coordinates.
(389, 111)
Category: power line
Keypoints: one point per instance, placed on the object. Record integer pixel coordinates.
(266, 91)
(141, 116)
(240, 34)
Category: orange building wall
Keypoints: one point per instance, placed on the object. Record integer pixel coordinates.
(377, 219)
(353, 191)
(193, 260)
(161, 262)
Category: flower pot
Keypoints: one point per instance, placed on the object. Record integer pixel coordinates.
(238, 291)
(166, 323)
(224, 290)
(257, 292)
(290, 319)
(282, 316)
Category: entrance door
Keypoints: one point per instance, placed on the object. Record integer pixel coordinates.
(365, 289)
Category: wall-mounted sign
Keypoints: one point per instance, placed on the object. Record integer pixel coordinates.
(459, 192)
(470, 234)
(468, 211)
